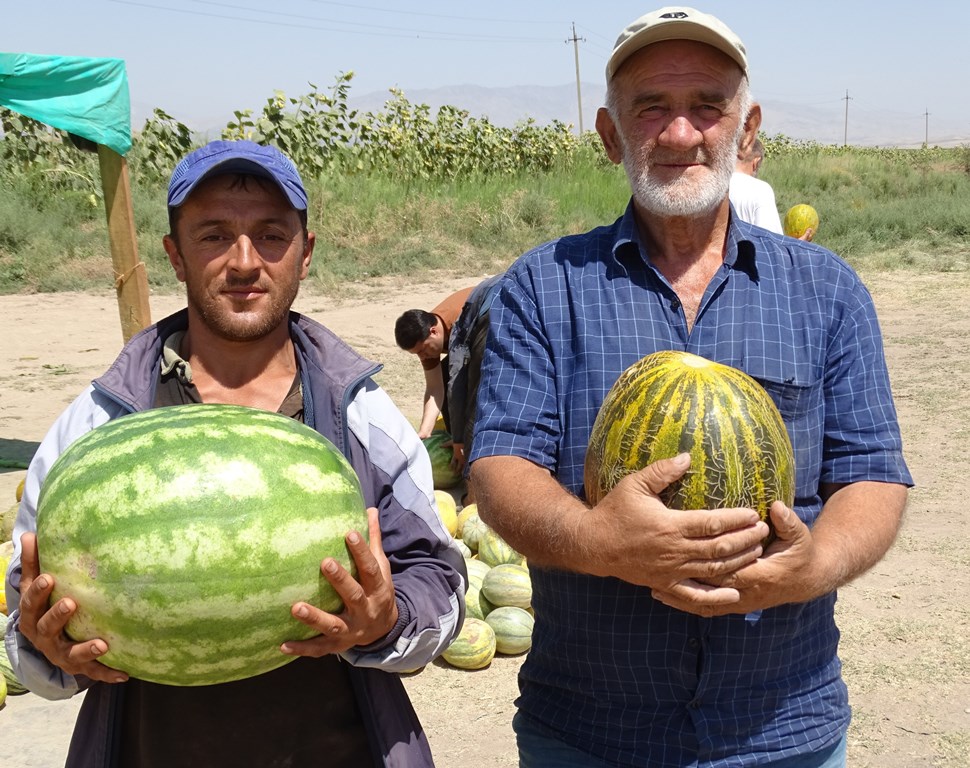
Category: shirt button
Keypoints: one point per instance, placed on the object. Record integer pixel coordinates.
(693, 643)
(675, 304)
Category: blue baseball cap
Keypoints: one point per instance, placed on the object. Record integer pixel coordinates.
(219, 157)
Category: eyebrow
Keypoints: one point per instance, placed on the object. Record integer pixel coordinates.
(706, 96)
(215, 222)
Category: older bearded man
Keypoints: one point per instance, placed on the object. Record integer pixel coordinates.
(676, 638)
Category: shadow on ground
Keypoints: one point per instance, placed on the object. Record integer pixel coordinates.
(15, 454)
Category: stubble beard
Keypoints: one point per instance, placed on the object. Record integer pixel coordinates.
(683, 196)
(217, 313)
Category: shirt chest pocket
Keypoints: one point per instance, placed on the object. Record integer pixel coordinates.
(797, 392)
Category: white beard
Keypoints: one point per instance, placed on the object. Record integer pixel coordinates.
(686, 195)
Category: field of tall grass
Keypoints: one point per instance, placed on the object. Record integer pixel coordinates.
(880, 209)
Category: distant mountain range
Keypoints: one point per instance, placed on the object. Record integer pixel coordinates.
(826, 125)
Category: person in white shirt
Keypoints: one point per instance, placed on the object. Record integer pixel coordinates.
(752, 198)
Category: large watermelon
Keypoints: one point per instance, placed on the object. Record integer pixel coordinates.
(185, 534)
(443, 476)
(672, 402)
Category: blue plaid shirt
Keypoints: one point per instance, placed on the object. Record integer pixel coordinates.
(612, 670)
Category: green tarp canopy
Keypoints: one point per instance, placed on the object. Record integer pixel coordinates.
(89, 98)
(84, 96)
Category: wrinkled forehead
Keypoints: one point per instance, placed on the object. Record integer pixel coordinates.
(681, 63)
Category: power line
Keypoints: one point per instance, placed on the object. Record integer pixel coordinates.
(358, 7)
(579, 96)
(368, 25)
(415, 34)
(594, 33)
(845, 140)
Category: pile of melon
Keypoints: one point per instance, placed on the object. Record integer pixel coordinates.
(498, 603)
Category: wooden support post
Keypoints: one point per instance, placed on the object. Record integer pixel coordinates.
(131, 281)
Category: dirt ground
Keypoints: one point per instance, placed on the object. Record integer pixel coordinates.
(906, 624)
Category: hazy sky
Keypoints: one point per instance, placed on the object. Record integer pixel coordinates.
(201, 59)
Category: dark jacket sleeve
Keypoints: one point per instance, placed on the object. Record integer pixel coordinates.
(427, 567)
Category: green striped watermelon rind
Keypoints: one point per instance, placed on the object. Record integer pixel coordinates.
(443, 476)
(672, 402)
(235, 487)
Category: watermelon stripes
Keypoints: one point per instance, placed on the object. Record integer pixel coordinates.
(186, 533)
(673, 402)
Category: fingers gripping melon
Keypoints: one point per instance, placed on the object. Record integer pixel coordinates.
(185, 535)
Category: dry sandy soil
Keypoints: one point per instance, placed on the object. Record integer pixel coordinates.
(906, 624)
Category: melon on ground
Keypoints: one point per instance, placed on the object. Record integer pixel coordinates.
(14, 686)
(474, 647)
(508, 584)
(476, 571)
(463, 514)
(6, 552)
(513, 629)
(494, 550)
(473, 530)
(447, 510)
(7, 521)
(443, 476)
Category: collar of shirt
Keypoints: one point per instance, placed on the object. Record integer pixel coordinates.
(739, 250)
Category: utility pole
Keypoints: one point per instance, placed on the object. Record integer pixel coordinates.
(926, 114)
(845, 139)
(579, 96)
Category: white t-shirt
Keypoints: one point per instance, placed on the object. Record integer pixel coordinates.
(754, 201)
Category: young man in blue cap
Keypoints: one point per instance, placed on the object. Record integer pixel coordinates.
(674, 638)
(239, 242)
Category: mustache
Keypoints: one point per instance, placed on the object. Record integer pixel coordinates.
(675, 158)
(236, 283)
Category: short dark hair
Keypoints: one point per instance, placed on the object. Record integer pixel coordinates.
(241, 180)
(413, 327)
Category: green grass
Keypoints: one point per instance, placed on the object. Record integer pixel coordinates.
(880, 210)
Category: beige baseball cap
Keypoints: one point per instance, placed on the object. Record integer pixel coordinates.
(676, 23)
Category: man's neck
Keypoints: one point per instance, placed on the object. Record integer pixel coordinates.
(676, 242)
(256, 373)
(687, 251)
